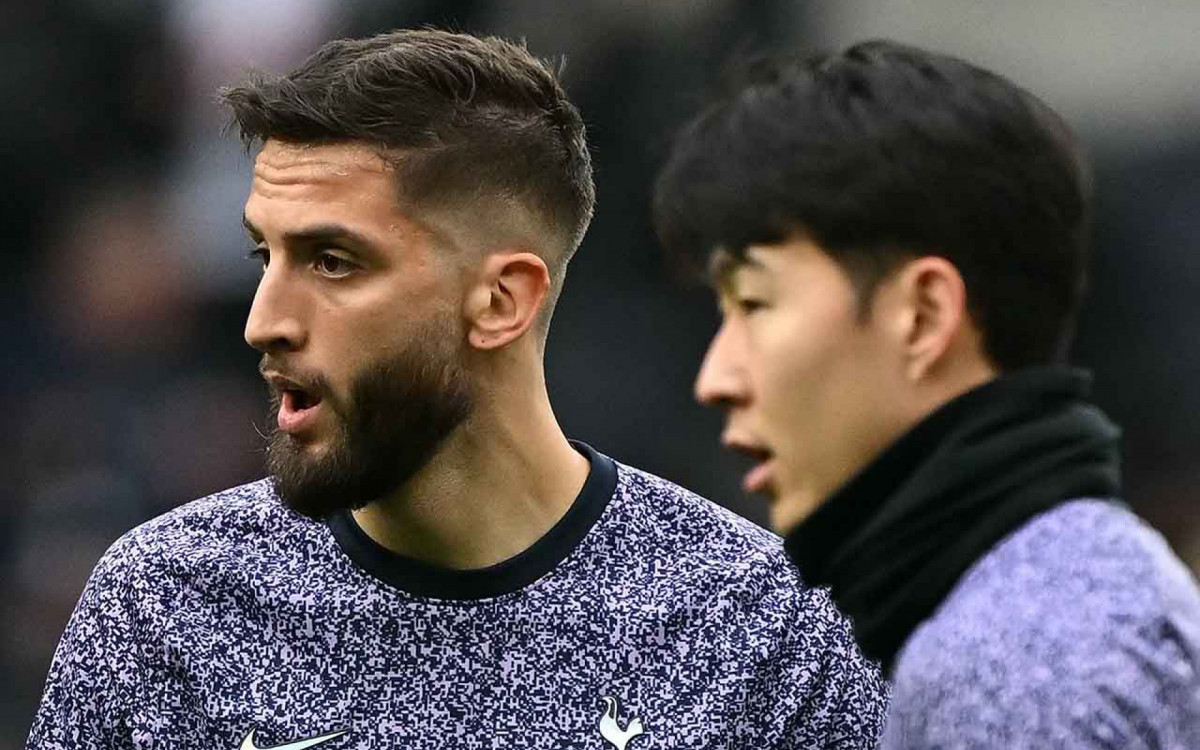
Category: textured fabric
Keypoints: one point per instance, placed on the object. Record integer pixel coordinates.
(894, 540)
(1080, 630)
(232, 614)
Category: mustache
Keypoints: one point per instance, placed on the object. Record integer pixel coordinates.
(310, 380)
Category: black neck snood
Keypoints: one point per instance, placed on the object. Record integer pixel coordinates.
(895, 539)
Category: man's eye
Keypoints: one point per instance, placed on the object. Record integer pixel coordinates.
(333, 266)
(750, 306)
(260, 254)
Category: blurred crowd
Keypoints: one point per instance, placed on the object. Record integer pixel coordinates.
(129, 389)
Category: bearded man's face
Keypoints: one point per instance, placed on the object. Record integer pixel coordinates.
(358, 318)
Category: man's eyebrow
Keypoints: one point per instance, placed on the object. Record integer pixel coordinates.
(314, 235)
(722, 265)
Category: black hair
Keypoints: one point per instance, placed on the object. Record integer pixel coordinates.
(885, 152)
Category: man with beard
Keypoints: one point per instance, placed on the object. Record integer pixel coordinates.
(432, 564)
(898, 242)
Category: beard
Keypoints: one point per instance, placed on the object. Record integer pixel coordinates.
(399, 411)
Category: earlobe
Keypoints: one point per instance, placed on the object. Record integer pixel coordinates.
(507, 300)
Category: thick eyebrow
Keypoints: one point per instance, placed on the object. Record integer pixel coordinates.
(315, 235)
(722, 265)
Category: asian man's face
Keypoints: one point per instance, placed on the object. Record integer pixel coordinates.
(808, 380)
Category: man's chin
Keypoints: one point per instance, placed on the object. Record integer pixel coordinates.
(315, 500)
(790, 509)
(307, 478)
(306, 449)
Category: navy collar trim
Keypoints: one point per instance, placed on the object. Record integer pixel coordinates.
(426, 580)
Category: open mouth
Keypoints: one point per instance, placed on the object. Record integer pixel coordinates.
(298, 400)
(297, 408)
(761, 477)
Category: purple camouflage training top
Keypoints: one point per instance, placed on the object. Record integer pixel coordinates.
(646, 618)
(1079, 630)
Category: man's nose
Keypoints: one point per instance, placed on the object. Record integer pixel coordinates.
(276, 322)
(721, 381)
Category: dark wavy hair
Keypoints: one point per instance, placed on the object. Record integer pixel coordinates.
(463, 118)
(886, 152)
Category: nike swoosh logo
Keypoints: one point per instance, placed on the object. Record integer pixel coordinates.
(248, 743)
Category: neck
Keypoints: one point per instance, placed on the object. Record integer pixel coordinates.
(496, 486)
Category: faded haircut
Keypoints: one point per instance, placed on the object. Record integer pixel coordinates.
(468, 122)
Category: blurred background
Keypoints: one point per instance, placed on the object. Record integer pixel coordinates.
(128, 388)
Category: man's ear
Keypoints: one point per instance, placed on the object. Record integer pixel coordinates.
(506, 299)
(933, 296)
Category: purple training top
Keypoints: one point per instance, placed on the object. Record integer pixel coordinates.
(646, 618)
(1079, 630)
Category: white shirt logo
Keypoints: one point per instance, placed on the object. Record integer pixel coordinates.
(611, 731)
(248, 743)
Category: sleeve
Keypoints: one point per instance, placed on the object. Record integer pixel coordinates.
(1141, 690)
(817, 690)
(95, 674)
